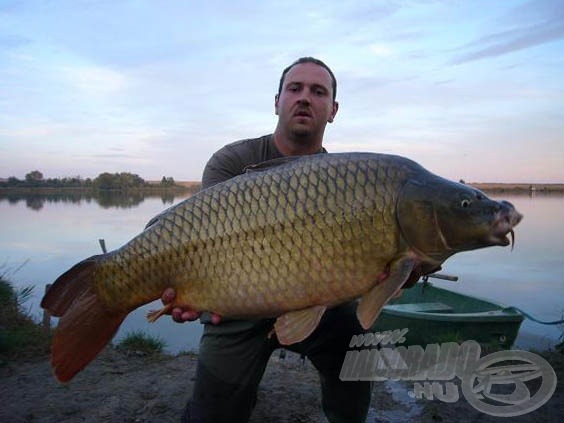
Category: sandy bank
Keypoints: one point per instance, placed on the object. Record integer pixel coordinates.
(117, 387)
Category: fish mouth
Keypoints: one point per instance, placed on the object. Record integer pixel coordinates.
(502, 229)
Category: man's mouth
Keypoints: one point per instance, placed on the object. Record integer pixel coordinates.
(302, 113)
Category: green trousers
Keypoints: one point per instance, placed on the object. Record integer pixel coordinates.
(233, 357)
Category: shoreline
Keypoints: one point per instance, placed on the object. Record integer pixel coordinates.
(518, 187)
(121, 386)
(194, 186)
(483, 186)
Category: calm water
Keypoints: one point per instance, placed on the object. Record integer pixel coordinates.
(48, 235)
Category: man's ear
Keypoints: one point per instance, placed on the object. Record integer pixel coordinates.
(276, 104)
(333, 112)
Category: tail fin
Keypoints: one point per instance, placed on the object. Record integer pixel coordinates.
(70, 285)
(85, 326)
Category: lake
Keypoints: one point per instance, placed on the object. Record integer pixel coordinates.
(42, 236)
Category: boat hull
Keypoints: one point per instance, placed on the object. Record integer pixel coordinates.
(435, 315)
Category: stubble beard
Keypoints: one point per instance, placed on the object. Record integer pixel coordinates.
(302, 134)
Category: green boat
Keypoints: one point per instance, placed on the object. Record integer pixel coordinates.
(437, 315)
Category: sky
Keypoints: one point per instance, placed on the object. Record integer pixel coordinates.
(471, 90)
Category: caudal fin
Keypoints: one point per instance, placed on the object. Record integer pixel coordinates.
(85, 324)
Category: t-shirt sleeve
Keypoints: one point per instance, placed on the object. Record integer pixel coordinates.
(223, 165)
(232, 159)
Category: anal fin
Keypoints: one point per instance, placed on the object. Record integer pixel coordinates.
(296, 326)
(153, 315)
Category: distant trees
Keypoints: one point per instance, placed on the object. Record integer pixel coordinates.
(122, 181)
(118, 181)
(34, 176)
(35, 179)
(167, 182)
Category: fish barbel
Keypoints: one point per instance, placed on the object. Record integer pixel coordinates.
(284, 241)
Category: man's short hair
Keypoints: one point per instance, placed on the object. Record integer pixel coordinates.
(315, 61)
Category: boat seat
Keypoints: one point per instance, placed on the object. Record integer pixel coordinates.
(422, 307)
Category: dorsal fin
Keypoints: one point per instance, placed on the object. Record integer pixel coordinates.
(259, 167)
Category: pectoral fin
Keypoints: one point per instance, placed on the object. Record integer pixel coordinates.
(297, 325)
(372, 302)
(153, 315)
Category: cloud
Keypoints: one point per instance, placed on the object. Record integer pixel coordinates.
(8, 41)
(93, 79)
(10, 6)
(515, 40)
(110, 156)
(509, 41)
(380, 50)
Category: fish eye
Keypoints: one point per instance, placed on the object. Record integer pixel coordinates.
(465, 203)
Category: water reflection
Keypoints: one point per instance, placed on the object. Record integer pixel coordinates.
(106, 199)
(67, 228)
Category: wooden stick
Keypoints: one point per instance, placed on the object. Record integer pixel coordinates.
(46, 314)
(444, 277)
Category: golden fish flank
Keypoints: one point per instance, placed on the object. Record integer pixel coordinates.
(287, 241)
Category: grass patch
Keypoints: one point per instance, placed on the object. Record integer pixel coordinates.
(139, 342)
(20, 336)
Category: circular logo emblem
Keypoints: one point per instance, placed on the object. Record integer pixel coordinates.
(482, 390)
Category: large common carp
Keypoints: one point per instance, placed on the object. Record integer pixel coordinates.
(287, 241)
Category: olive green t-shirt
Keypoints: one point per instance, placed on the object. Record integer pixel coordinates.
(233, 159)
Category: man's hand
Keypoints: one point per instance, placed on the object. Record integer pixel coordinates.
(182, 314)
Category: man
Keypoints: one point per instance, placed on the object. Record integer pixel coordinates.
(234, 353)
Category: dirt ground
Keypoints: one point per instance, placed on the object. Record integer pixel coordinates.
(121, 387)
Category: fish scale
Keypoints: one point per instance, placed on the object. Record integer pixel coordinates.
(268, 214)
(284, 240)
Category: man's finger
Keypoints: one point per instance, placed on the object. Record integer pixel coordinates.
(215, 319)
(177, 315)
(190, 315)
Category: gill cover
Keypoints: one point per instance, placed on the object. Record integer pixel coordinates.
(418, 220)
(438, 218)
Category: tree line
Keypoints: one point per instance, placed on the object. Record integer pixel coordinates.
(104, 181)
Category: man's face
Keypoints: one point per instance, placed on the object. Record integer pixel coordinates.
(305, 103)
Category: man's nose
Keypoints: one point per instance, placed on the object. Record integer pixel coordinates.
(304, 100)
(304, 97)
